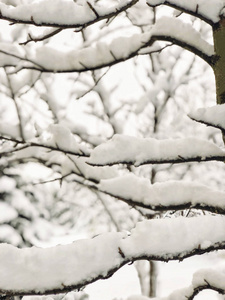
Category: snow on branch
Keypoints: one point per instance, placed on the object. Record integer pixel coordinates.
(139, 151)
(184, 35)
(35, 271)
(61, 13)
(171, 195)
(48, 59)
(212, 116)
(208, 11)
(69, 149)
(202, 280)
(67, 162)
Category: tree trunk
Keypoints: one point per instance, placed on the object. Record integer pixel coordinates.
(219, 64)
(153, 279)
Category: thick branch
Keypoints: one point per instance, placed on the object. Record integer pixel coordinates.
(186, 46)
(59, 269)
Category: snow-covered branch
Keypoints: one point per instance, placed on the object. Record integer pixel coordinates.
(62, 14)
(171, 195)
(204, 279)
(207, 11)
(212, 116)
(48, 59)
(62, 268)
(139, 151)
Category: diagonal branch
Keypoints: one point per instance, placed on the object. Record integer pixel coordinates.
(210, 116)
(42, 38)
(218, 126)
(186, 46)
(192, 8)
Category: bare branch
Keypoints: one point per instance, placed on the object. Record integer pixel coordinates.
(44, 37)
(34, 144)
(13, 97)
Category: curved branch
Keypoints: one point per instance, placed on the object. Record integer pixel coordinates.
(186, 46)
(77, 16)
(121, 49)
(204, 279)
(186, 8)
(206, 286)
(37, 271)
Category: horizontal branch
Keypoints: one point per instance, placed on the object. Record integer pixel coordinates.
(71, 15)
(128, 150)
(164, 196)
(36, 271)
(175, 160)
